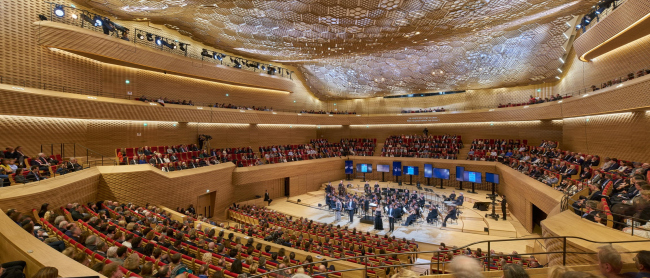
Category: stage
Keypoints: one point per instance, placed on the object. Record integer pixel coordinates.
(472, 225)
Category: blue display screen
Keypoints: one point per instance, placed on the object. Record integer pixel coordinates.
(474, 177)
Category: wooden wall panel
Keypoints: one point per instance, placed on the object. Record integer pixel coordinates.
(79, 187)
(141, 184)
(32, 132)
(251, 190)
(619, 135)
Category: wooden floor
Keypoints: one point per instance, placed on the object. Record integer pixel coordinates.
(468, 229)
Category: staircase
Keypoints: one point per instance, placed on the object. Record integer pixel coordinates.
(462, 153)
(378, 148)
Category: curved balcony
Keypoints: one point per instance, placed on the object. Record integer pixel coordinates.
(116, 51)
(627, 23)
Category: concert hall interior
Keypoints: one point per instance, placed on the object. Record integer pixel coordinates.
(325, 138)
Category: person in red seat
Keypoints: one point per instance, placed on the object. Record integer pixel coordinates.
(112, 270)
(34, 174)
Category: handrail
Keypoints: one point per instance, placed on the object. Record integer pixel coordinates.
(634, 219)
(74, 152)
(437, 253)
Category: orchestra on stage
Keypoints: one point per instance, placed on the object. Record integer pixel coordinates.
(396, 204)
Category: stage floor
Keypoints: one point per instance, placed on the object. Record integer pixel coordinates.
(469, 228)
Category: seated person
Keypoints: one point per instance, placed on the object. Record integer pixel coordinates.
(460, 200)
(433, 215)
(453, 214)
(34, 174)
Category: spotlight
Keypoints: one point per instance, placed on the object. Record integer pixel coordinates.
(42, 17)
(58, 11)
(149, 37)
(97, 20)
(158, 41)
(205, 53)
(141, 36)
(183, 46)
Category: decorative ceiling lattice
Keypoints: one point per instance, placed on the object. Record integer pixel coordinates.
(365, 48)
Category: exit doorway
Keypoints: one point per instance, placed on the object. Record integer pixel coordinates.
(206, 204)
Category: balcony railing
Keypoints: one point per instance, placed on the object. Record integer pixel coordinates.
(88, 20)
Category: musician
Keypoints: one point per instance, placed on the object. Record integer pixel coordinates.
(453, 214)
(460, 200)
(452, 197)
(433, 214)
(366, 205)
(413, 214)
(391, 217)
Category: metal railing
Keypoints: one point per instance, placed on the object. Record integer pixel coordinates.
(566, 204)
(596, 14)
(88, 20)
(436, 254)
(93, 158)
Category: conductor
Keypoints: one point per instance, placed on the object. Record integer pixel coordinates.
(351, 206)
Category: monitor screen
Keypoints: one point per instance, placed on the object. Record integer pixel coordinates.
(459, 173)
(428, 171)
(491, 177)
(411, 170)
(397, 168)
(349, 169)
(440, 173)
(383, 168)
(364, 168)
(474, 177)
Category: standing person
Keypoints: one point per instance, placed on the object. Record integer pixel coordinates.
(337, 210)
(351, 206)
(391, 218)
(503, 207)
(267, 197)
(379, 225)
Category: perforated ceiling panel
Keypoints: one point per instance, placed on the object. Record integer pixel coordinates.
(365, 48)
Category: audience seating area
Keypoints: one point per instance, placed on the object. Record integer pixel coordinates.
(491, 149)
(423, 146)
(601, 191)
(425, 110)
(18, 168)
